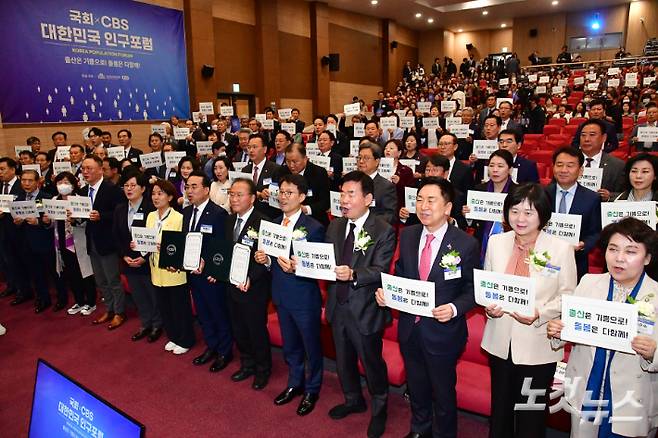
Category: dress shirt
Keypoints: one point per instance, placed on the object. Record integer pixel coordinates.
(95, 188)
(452, 166)
(244, 218)
(199, 212)
(260, 168)
(10, 184)
(293, 219)
(571, 192)
(504, 123)
(358, 225)
(435, 246)
(132, 209)
(596, 159)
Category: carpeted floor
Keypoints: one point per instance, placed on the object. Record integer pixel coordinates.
(169, 395)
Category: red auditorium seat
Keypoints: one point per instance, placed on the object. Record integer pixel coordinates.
(573, 101)
(551, 145)
(564, 139)
(429, 151)
(577, 121)
(571, 129)
(542, 156)
(538, 137)
(578, 94)
(473, 377)
(557, 121)
(552, 129)
(542, 170)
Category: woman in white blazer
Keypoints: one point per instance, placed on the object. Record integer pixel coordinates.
(629, 380)
(517, 344)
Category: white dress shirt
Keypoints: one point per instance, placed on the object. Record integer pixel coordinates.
(571, 193)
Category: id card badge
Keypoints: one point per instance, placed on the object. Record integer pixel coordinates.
(309, 193)
(645, 325)
(247, 241)
(550, 271)
(267, 181)
(449, 274)
(138, 216)
(206, 229)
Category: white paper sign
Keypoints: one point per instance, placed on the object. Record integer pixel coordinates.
(151, 160)
(290, 128)
(532, 78)
(19, 149)
(181, 133)
(407, 122)
(599, 323)
(591, 178)
(239, 165)
(55, 208)
(424, 107)
(578, 80)
(172, 158)
(613, 82)
(410, 163)
(448, 106)
(240, 264)
(631, 83)
(274, 196)
(410, 194)
(24, 209)
(285, 113)
(315, 260)
(648, 134)
(312, 149)
(503, 81)
(204, 147)
(226, 111)
(354, 148)
(630, 76)
(80, 206)
(35, 167)
(388, 122)
(334, 199)
(386, 167)
(612, 212)
(233, 175)
(192, 254)
(541, 89)
(62, 153)
(146, 239)
(352, 109)
(349, 164)
(460, 131)
(411, 296)
(591, 76)
(562, 82)
(613, 71)
(430, 122)
(268, 124)
(565, 226)
(513, 293)
(558, 89)
(486, 206)
(206, 108)
(359, 130)
(5, 203)
(500, 100)
(593, 86)
(116, 152)
(322, 161)
(452, 121)
(274, 239)
(647, 80)
(544, 79)
(260, 118)
(159, 129)
(484, 148)
(197, 117)
(61, 166)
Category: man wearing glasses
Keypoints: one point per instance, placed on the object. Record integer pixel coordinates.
(385, 201)
(459, 174)
(511, 140)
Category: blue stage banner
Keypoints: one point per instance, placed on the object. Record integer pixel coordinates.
(91, 60)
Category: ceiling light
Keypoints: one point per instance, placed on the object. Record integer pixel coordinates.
(418, 15)
(460, 30)
(485, 12)
(430, 20)
(555, 2)
(374, 2)
(503, 25)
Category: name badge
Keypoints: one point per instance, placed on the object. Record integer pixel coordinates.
(247, 241)
(309, 192)
(550, 271)
(134, 160)
(172, 174)
(267, 181)
(206, 229)
(449, 274)
(645, 325)
(138, 216)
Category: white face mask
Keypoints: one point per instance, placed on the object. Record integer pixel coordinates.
(65, 189)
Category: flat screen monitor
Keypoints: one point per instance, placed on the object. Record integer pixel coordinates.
(61, 407)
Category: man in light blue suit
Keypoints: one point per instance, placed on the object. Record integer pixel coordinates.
(298, 300)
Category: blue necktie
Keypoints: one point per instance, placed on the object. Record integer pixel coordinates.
(91, 194)
(563, 202)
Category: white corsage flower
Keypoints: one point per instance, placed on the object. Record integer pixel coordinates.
(252, 233)
(646, 309)
(538, 261)
(363, 241)
(299, 233)
(451, 260)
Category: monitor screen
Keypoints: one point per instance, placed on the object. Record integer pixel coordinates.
(62, 407)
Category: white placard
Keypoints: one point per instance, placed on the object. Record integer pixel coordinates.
(410, 194)
(541, 89)
(274, 195)
(226, 111)
(349, 164)
(432, 139)
(206, 108)
(410, 163)
(631, 83)
(315, 260)
(591, 178)
(181, 133)
(513, 293)
(613, 71)
(630, 76)
(239, 165)
(290, 128)
(407, 122)
(322, 161)
(544, 79)
(5, 203)
(600, 323)
(334, 200)
(562, 82)
(233, 175)
(593, 86)
(116, 152)
(578, 80)
(352, 109)
(647, 80)
(558, 89)
(460, 131)
(55, 208)
(613, 82)
(35, 167)
(486, 206)
(612, 212)
(591, 76)
(648, 134)
(80, 206)
(260, 118)
(159, 129)
(354, 148)
(151, 160)
(274, 239)
(503, 81)
(430, 122)
(484, 148)
(204, 147)
(565, 226)
(146, 239)
(62, 153)
(410, 296)
(285, 113)
(172, 158)
(240, 264)
(388, 122)
(268, 124)
(532, 78)
(19, 149)
(24, 209)
(386, 167)
(197, 116)
(61, 166)
(192, 254)
(448, 106)
(451, 121)
(359, 130)
(424, 107)
(312, 150)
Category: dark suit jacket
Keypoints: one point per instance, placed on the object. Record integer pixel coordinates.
(8, 230)
(336, 163)
(289, 290)
(461, 176)
(257, 274)
(213, 216)
(527, 170)
(123, 234)
(369, 317)
(611, 142)
(586, 204)
(106, 201)
(35, 238)
(269, 174)
(613, 174)
(438, 337)
(133, 155)
(318, 195)
(640, 144)
(386, 199)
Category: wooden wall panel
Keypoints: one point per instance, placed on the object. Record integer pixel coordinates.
(305, 107)
(295, 66)
(294, 17)
(234, 58)
(351, 20)
(342, 93)
(360, 56)
(242, 11)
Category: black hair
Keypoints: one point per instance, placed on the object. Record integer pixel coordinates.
(644, 156)
(537, 198)
(505, 155)
(597, 122)
(141, 179)
(113, 162)
(56, 133)
(377, 151)
(518, 136)
(439, 160)
(130, 134)
(297, 180)
(205, 181)
(367, 186)
(569, 151)
(250, 183)
(227, 162)
(445, 186)
(96, 131)
(637, 231)
(10, 162)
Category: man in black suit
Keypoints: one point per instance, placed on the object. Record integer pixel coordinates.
(506, 110)
(568, 196)
(230, 140)
(597, 112)
(264, 173)
(8, 232)
(76, 155)
(326, 144)
(384, 193)
(460, 174)
(487, 110)
(592, 140)
(511, 140)
(206, 217)
(364, 245)
(431, 346)
(37, 253)
(316, 202)
(101, 245)
(130, 152)
(248, 301)
(242, 149)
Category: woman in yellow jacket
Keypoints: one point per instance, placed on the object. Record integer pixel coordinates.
(170, 285)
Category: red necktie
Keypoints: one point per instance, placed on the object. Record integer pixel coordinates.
(255, 174)
(425, 265)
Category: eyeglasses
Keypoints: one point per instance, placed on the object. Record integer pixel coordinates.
(130, 186)
(360, 158)
(287, 193)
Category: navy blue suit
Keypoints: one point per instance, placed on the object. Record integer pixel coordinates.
(587, 204)
(210, 298)
(527, 170)
(430, 348)
(9, 242)
(299, 307)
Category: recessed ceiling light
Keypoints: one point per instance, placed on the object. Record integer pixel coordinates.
(430, 20)
(503, 25)
(460, 30)
(485, 12)
(418, 15)
(555, 2)
(374, 2)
